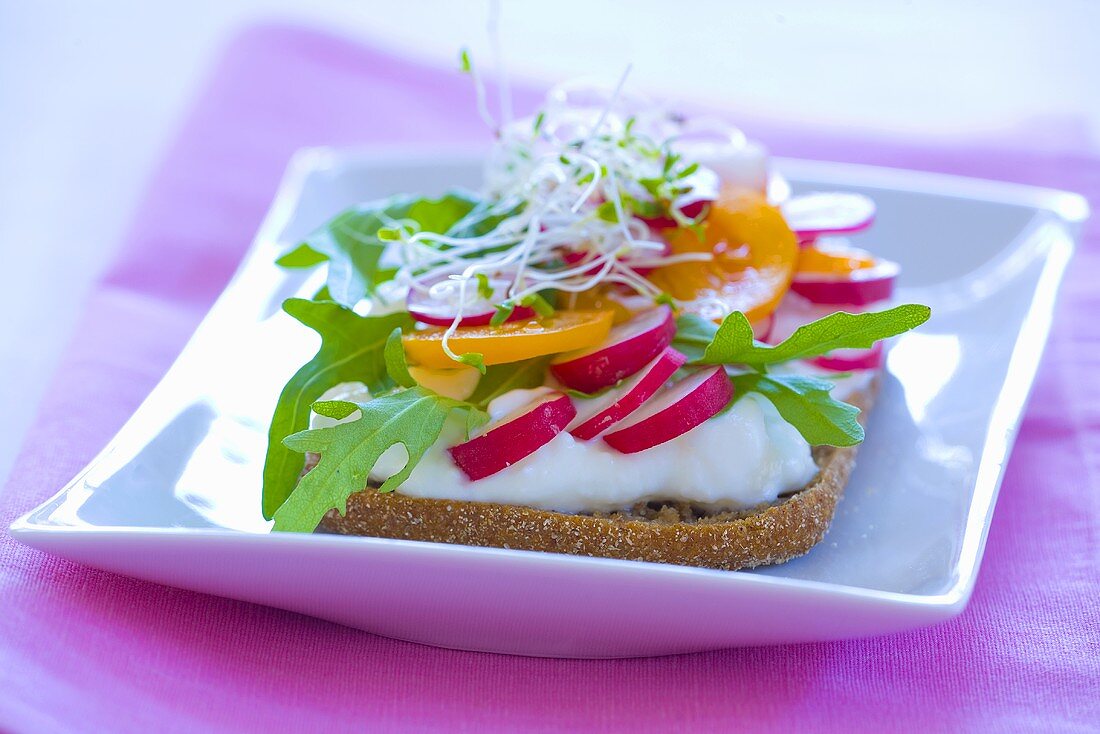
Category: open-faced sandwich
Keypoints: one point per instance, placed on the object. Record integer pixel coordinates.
(623, 346)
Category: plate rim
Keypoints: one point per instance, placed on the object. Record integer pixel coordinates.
(1061, 207)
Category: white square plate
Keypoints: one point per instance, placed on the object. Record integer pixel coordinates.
(175, 497)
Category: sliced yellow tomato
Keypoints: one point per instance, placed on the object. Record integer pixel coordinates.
(754, 259)
(819, 259)
(513, 341)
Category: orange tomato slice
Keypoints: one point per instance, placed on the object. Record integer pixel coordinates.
(755, 254)
(512, 341)
(821, 259)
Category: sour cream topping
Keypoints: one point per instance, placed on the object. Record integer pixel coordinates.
(739, 459)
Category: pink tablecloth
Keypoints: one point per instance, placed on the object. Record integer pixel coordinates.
(82, 650)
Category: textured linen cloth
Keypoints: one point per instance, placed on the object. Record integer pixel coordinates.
(84, 650)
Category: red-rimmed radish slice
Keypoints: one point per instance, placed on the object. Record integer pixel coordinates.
(704, 184)
(673, 412)
(814, 215)
(857, 288)
(597, 415)
(851, 360)
(627, 349)
(515, 436)
(477, 312)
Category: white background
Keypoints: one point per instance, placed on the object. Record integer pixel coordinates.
(91, 92)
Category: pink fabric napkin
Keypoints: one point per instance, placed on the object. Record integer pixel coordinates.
(82, 650)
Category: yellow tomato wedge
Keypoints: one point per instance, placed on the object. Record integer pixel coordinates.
(512, 341)
(754, 259)
(820, 259)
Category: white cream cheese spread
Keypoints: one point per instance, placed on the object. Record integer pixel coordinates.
(738, 459)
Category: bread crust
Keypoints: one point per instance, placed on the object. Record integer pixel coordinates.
(676, 533)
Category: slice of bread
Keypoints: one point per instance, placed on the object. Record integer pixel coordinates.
(662, 533)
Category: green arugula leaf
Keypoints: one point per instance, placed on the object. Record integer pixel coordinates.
(440, 215)
(352, 249)
(475, 418)
(352, 243)
(351, 349)
(301, 257)
(485, 217)
(413, 417)
(805, 403)
(335, 409)
(501, 378)
(397, 367)
(733, 342)
(693, 335)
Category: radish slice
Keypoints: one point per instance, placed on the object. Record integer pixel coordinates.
(813, 215)
(850, 360)
(857, 288)
(628, 348)
(674, 412)
(515, 436)
(597, 415)
(477, 312)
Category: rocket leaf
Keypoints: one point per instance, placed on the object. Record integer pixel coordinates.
(351, 245)
(413, 417)
(806, 404)
(352, 349)
(733, 342)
